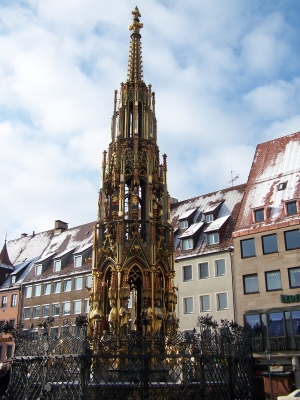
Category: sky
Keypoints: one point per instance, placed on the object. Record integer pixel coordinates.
(226, 76)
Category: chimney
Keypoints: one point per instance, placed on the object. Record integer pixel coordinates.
(60, 227)
(23, 235)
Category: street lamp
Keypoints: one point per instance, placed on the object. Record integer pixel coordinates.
(268, 355)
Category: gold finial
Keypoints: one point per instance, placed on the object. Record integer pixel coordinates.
(135, 25)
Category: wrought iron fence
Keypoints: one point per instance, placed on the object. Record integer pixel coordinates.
(209, 365)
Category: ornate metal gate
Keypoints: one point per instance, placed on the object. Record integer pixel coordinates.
(209, 365)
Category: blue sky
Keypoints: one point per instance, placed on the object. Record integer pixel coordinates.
(226, 76)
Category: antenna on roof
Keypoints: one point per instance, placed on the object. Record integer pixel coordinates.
(233, 179)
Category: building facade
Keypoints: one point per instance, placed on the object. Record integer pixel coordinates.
(267, 253)
(204, 255)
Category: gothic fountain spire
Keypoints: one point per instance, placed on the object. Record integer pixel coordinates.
(135, 65)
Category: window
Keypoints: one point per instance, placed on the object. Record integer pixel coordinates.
(13, 300)
(250, 283)
(38, 269)
(291, 208)
(67, 285)
(9, 351)
(45, 310)
(187, 244)
(75, 330)
(292, 239)
(222, 301)
(294, 277)
(47, 288)
(77, 307)
(88, 281)
(259, 215)
(78, 283)
(54, 331)
(28, 291)
(187, 273)
(248, 248)
(4, 301)
(209, 218)
(276, 324)
(57, 265)
(86, 306)
(183, 224)
(13, 279)
(37, 290)
(203, 270)
(213, 238)
(66, 309)
(220, 267)
(12, 322)
(205, 303)
(282, 185)
(55, 309)
(273, 280)
(269, 244)
(36, 312)
(57, 287)
(77, 261)
(188, 305)
(26, 312)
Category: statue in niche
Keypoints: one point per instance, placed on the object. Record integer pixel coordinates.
(146, 318)
(113, 317)
(125, 316)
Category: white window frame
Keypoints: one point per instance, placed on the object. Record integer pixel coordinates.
(46, 285)
(65, 281)
(76, 258)
(34, 290)
(75, 280)
(208, 270)
(63, 306)
(38, 269)
(187, 244)
(214, 236)
(216, 267)
(88, 277)
(12, 302)
(86, 306)
(13, 279)
(34, 308)
(57, 265)
(55, 304)
(54, 292)
(184, 224)
(28, 289)
(183, 269)
(209, 218)
(26, 308)
(217, 301)
(43, 308)
(184, 308)
(200, 303)
(54, 330)
(75, 302)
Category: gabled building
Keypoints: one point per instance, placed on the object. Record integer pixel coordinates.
(58, 282)
(267, 252)
(204, 254)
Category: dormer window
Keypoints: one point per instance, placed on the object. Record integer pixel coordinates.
(183, 224)
(282, 185)
(209, 218)
(291, 207)
(77, 261)
(38, 269)
(213, 238)
(187, 244)
(259, 215)
(57, 265)
(13, 279)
